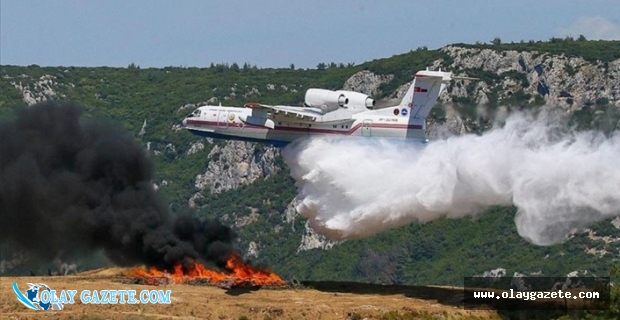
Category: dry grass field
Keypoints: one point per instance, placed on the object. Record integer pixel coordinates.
(316, 300)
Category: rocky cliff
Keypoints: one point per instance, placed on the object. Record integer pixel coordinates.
(233, 164)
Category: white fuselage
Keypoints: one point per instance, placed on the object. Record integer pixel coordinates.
(325, 112)
(227, 123)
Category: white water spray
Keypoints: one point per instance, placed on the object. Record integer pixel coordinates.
(558, 179)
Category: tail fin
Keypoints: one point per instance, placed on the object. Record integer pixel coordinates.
(424, 91)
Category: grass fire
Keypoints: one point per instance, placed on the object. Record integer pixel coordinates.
(238, 273)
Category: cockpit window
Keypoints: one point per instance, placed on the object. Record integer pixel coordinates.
(196, 113)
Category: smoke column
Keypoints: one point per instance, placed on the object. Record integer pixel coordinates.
(71, 184)
(558, 179)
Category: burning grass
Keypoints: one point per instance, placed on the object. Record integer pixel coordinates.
(237, 274)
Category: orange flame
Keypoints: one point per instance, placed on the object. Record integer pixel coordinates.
(239, 274)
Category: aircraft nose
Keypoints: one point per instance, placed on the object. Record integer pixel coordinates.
(184, 122)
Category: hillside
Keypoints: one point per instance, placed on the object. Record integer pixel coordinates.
(247, 186)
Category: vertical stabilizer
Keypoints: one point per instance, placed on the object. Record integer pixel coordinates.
(424, 91)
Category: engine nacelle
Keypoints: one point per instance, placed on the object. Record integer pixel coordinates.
(328, 100)
(325, 99)
(358, 100)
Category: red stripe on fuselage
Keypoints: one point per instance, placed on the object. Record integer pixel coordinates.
(307, 129)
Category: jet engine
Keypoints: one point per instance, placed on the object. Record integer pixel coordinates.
(321, 98)
(328, 100)
(358, 100)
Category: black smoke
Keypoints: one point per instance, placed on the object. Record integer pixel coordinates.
(71, 185)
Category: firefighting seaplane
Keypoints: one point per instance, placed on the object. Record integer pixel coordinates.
(325, 112)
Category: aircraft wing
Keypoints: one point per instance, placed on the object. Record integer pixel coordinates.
(307, 114)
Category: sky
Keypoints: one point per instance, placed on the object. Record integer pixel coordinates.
(277, 33)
